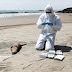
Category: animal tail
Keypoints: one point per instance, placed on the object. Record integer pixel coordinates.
(24, 44)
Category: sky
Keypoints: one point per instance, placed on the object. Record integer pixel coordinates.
(34, 4)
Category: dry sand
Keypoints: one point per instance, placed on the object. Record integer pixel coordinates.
(24, 30)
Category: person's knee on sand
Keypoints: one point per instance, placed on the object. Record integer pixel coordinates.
(39, 46)
(47, 48)
(40, 43)
(50, 43)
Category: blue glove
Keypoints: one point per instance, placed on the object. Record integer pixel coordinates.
(49, 23)
(44, 23)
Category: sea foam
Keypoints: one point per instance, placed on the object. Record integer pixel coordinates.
(17, 14)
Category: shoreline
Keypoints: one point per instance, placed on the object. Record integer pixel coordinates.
(29, 19)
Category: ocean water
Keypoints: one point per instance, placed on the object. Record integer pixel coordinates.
(20, 11)
(12, 13)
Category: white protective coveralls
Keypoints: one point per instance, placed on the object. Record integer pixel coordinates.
(48, 32)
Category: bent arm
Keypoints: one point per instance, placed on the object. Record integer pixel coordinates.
(58, 25)
(39, 23)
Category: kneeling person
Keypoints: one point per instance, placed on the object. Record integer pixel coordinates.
(50, 23)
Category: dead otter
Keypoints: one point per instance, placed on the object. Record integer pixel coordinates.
(16, 47)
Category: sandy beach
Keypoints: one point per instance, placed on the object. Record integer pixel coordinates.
(23, 29)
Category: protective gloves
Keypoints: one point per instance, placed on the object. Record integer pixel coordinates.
(49, 23)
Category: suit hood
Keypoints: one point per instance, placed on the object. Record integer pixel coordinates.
(49, 8)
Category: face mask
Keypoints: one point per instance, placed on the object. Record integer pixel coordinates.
(48, 14)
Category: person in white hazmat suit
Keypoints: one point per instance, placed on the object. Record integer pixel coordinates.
(50, 23)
